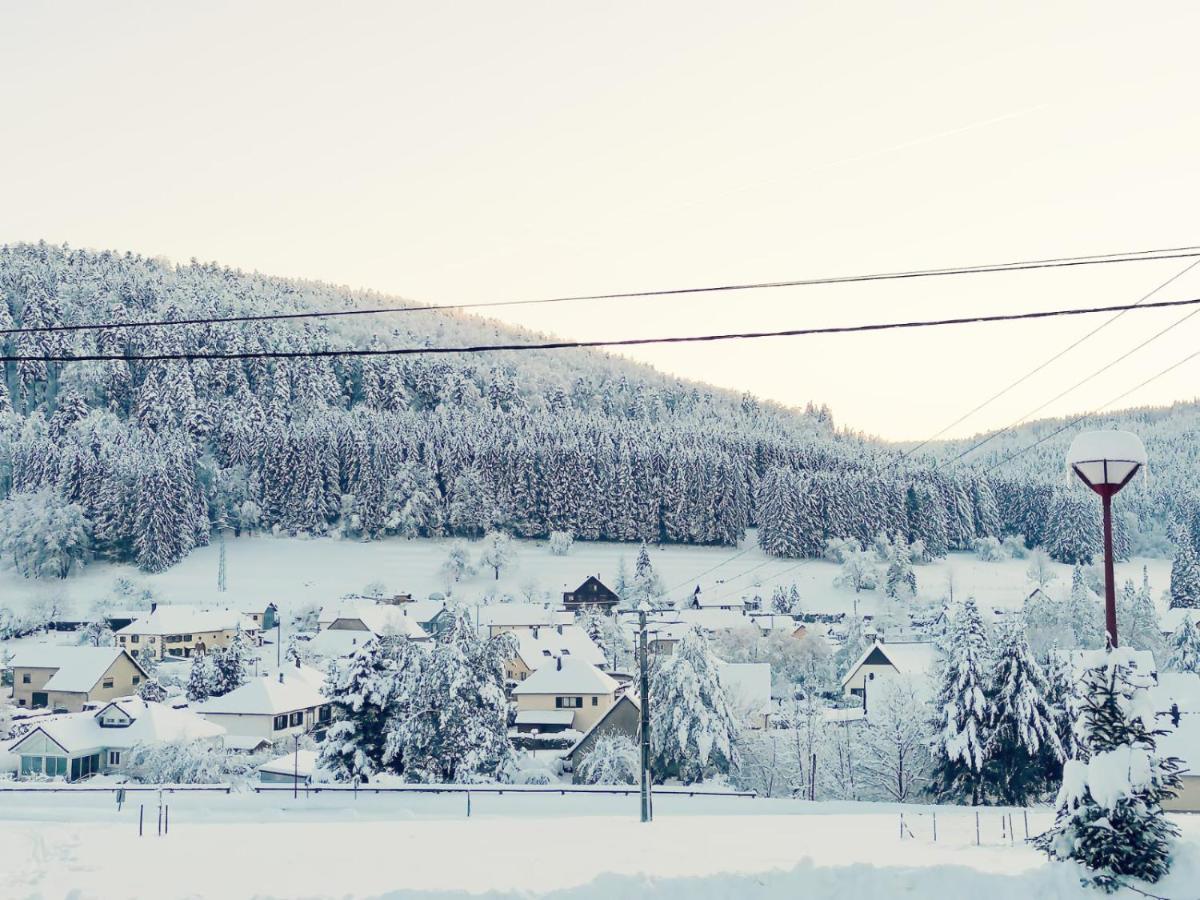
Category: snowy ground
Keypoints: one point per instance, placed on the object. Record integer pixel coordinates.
(294, 572)
(530, 846)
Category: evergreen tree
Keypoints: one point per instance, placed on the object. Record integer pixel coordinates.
(1184, 647)
(961, 725)
(900, 582)
(1109, 809)
(152, 692)
(221, 571)
(854, 646)
(232, 663)
(693, 731)
(1021, 723)
(1073, 528)
(204, 680)
(1185, 572)
(647, 586)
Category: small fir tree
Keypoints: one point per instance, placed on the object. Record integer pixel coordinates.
(1184, 647)
(961, 726)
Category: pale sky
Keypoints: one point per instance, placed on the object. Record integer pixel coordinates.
(470, 151)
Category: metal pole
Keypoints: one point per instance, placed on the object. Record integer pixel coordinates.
(141, 818)
(976, 829)
(296, 767)
(1025, 813)
(1110, 587)
(935, 826)
(166, 819)
(279, 643)
(645, 691)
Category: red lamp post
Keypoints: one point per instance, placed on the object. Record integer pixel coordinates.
(1106, 461)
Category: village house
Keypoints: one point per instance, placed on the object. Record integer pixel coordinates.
(265, 618)
(497, 618)
(354, 626)
(184, 631)
(699, 601)
(541, 646)
(592, 594)
(297, 766)
(273, 708)
(623, 717)
(66, 678)
(570, 686)
(77, 745)
(882, 661)
(431, 616)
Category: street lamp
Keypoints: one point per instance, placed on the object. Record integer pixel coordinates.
(1106, 461)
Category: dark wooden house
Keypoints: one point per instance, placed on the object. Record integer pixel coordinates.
(592, 593)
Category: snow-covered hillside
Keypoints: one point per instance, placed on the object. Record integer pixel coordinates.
(295, 572)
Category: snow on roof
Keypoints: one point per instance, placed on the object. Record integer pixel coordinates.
(747, 686)
(703, 601)
(299, 762)
(310, 675)
(1182, 741)
(246, 743)
(152, 723)
(79, 668)
(906, 657)
(521, 614)
(188, 620)
(575, 677)
(714, 619)
(545, 716)
(1140, 661)
(263, 697)
(385, 619)
(329, 643)
(556, 641)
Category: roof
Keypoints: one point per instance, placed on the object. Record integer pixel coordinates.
(907, 658)
(153, 723)
(310, 675)
(329, 643)
(79, 668)
(264, 697)
(747, 686)
(188, 620)
(714, 619)
(1141, 662)
(1182, 741)
(246, 743)
(608, 713)
(1181, 689)
(386, 619)
(552, 642)
(545, 716)
(301, 762)
(575, 677)
(521, 614)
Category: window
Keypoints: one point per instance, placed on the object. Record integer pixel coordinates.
(568, 702)
(122, 639)
(297, 719)
(595, 701)
(114, 757)
(280, 722)
(135, 638)
(325, 713)
(137, 679)
(186, 638)
(107, 683)
(25, 678)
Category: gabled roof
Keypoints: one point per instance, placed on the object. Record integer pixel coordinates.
(328, 643)
(153, 723)
(907, 658)
(301, 762)
(611, 711)
(79, 668)
(383, 619)
(557, 641)
(188, 620)
(518, 614)
(265, 697)
(575, 677)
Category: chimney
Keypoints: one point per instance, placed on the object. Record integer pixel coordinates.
(560, 629)
(281, 678)
(558, 659)
(153, 606)
(297, 662)
(535, 632)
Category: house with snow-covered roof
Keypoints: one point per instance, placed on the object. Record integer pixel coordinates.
(571, 687)
(77, 745)
(543, 645)
(272, 707)
(881, 661)
(623, 717)
(66, 678)
(184, 631)
(592, 594)
(497, 618)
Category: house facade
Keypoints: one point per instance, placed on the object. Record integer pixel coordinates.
(883, 661)
(623, 717)
(66, 678)
(570, 685)
(269, 708)
(185, 631)
(592, 594)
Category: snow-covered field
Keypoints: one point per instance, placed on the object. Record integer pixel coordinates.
(529, 846)
(293, 572)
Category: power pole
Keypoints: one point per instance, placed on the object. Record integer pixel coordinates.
(645, 691)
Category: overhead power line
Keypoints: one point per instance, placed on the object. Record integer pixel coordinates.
(575, 345)
(1014, 266)
(1094, 412)
(1038, 368)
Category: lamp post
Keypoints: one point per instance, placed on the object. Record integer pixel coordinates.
(647, 813)
(1106, 461)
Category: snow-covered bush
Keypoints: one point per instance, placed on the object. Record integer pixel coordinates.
(894, 761)
(44, 535)
(859, 571)
(498, 552)
(613, 759)
(1109, 809)
(177, 762)
(838, 549)
(560, 542)
(457, 564)
(989, 549)
(1014, 546)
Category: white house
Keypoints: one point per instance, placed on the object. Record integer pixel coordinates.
(77, 745)
(351, 627)
(184, 631)
(544, 644)
(882, 661)
(273, 708)
(569, 686)
(49, 676)
(497, 618)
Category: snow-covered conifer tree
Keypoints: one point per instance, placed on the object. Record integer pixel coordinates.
(693, 730)
(1072, 530)
(900, 581)
(1185, 572)
(961, 724)
(1021, 723)
(232, 663)
(1184, 648)
(1109, 809)
(204, 680)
